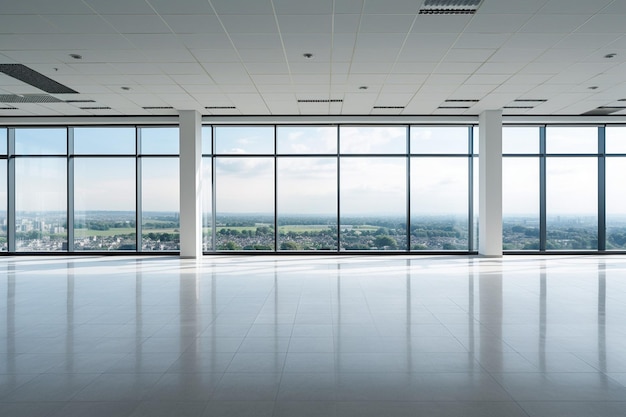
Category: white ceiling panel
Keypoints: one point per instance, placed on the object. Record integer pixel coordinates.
(199, 23)
(123, 7)
(305, 23)
(496, 23)
(180, 54)
(187, 7)
(380, 23)
(441, 23)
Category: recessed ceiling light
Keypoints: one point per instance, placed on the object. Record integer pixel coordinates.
(308, 55)
(76, 56)
(593, 87)
(611, 55)
(125, 88)
(363, 87)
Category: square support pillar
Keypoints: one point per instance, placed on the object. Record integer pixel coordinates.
(490, 184)
(190, 184)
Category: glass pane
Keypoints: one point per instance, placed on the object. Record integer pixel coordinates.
(207, 140)
(581, 139)
(104, 140)
(373, 204)
(615, 203)
(306, 140)
(244, 140)
(41, 141)
(307, 203)
(616, 139)
(104, 204)
(439, 204)
(475, 201)
(3, 141)
(520, 203)
(520, 140)
(245, 203)
(373, 140)
(160, 198)
(572, 203)
(207, 205)
(41, 204)
(476, 140)
(442, 140)
(3, 206)
(159, 140)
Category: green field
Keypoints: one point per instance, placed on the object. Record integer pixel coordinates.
(104, 233)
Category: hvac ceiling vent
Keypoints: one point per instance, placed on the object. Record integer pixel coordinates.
(8, 108)
(220, 107)
(80, 101)
(604, 110)
(453, 107)
(32, 77)
(518, 107)
(530, 100)
(462, 101)
(28, 98)
(321, 101)
(158, 108)
(450, 6)
(95, 108)
(389, 107)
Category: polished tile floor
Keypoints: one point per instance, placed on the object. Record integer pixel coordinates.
(523, 336)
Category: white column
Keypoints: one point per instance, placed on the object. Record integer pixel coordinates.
(190, 184)
(490, 184)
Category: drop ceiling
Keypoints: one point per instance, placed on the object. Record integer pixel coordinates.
(368, 57)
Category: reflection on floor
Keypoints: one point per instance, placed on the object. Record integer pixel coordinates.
(313, 336)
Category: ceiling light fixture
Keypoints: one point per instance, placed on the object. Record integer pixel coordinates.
(363, 87)
(611, 55)
(125, 88)
(76, 56)
(308, 55)
(593, 87)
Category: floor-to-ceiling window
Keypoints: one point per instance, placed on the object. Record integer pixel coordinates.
(571, 188)
(373, 187)
(306, 188)
(207, 189)
(439, 188)
(160, 188)
(615, 188)
(40, 158)
(104, 167)
(520, 187)
(4, 221)
(244, 188)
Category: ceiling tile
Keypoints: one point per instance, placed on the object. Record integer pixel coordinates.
(496, 23)
(225, 7)
(561, 23)
(305, 23)
(303, 6)
(122, 7)
(587, 40)
(575, 7)
(380, 23)
(604, 23)
(187, 7)
(137, 23)
(391, 7)
(500, 7)
(348, 6)
(200, 23)
(249, 23)
(346, 23)
(481, 40)
(441, 23)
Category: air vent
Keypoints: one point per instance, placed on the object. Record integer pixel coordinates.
(450, 6)
(604, 110)
(37, 80)
(221, 108)
(519, 107)
(622, 99)
(462, 101)
(530, 100)
(95, 108)
(158, 108)
(321, 101)
(8, 108)
(389, 107)
(80, 101)
(453, 107)
(28, 98)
